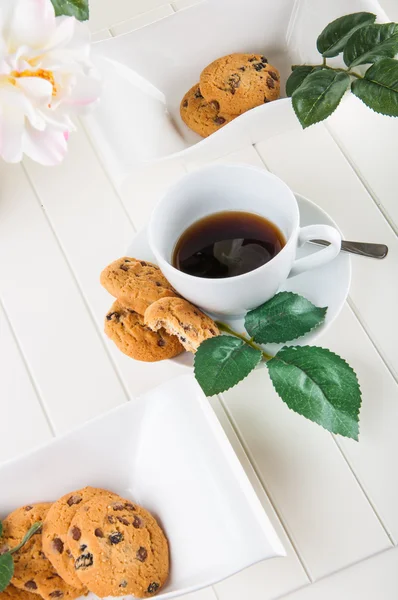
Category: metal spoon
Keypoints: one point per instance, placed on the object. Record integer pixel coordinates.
(360, 248)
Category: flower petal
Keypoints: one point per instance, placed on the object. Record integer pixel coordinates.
(37, 89)
(47, 147)
(62, 35)
(11, 97)
(11, 133)
(86, 91)
(32, 23)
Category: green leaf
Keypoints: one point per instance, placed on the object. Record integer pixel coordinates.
(221, 362)
(370, 43)
(319, 95)
(285, 317)
(297, 77)
(379, 88)
(72, 8)
(319, 385)
(335, 35)
(34, 529)
(6, 570)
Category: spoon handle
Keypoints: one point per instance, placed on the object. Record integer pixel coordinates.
(360, 248)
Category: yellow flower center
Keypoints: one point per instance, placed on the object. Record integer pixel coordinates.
(42, 73)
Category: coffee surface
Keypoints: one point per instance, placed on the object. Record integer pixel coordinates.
(227, 244)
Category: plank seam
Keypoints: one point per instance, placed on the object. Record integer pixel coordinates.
(105, 171)
(76, 282)
(336, 572)
(362, 179)
(28, 370)
(257, 471)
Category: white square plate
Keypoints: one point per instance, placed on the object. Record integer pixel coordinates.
(166, 451)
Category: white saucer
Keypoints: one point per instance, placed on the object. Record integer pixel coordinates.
(324, 286)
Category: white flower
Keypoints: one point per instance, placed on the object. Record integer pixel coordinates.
(45, 77)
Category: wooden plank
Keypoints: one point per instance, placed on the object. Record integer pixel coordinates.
(305, 475)
(319, 171)
(319, 501)
(274, 577)
(94, 228)
(102, 17)
(62, 348)
(24, 422)
(376, 577)
(370, 142)
(183, 4)
(142, 20)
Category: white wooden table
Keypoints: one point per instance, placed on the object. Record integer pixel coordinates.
(333, 501)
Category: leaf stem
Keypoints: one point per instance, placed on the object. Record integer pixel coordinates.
(35, 527)
(224, 327)
(337, 69)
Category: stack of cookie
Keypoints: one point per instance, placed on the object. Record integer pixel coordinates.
(91, 540)
(149, 321)
(228, 87)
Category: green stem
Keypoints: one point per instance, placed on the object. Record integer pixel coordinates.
(338, 70)
(224, 327)
(35, 527)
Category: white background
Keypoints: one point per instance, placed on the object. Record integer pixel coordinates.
(333, 501)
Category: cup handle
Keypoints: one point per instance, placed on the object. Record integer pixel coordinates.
(323, 256)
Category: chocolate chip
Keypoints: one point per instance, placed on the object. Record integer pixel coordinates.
(143, 263)
(219, 120)
(183, 339)
(83, 561)
(123, 520)
(273, 75)
(270, 82)
(31, 585)
(263, 59)
(214, 104)
(153, 587)
(185, 104)
(141, 554)
(83, 547)
(117, 506)
(99, 533)
(195, 313)
(113, 314)
(111, 519)
(58, 545)
(241, 68)
(234, 82)
(56, 594)
(74, 500)
(28, 507)
(124, 267)
(129, 506)
(161, 343)
(76, 533)
(198, 93)
(137, 523)
(266, 100)
(123, 583)
(252, 59)
(69, 553)
(115, 537)
(212, 331)
(158, 284)
(259, 66)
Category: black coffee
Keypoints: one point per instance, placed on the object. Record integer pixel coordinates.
(227, 244)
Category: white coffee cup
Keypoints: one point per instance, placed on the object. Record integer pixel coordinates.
(220, 188)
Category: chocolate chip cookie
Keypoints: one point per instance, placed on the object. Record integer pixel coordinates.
(33, 571)
(130, 334)
(56, 526)
(182, 319)
(239, 82)
(13, 593)
(199, 115)
(135, 283)
(118, 548)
